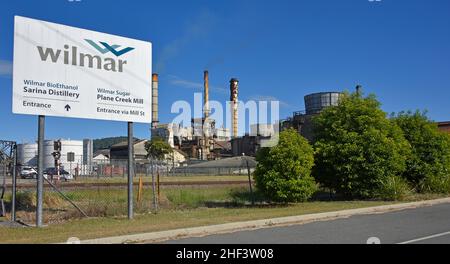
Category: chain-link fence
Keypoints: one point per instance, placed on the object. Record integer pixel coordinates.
(3, 189)
(103, 191)
(7, 168)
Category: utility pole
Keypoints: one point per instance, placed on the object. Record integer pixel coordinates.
(40, 177)
(130, 170)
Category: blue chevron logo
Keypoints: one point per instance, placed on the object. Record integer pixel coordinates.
(109, 48)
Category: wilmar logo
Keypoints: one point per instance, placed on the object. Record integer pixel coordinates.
(109, 48)
(70, 55)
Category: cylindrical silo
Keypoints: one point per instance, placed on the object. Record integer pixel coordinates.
(27, 154)
(75, 146)
(315, 103)
(88, 153)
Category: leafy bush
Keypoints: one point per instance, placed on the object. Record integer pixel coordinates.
(428, 167)
(435, 184)
(357, 147)
(283, 173)
(394, 188)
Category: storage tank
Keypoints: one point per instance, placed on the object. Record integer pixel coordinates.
(315, 103)
(27, 154)
(75, 146)
(88, 153)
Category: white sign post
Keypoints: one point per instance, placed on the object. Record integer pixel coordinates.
(71, 72)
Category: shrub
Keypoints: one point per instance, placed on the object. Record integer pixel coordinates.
(394, 188)
(428, 167)
(283, 173)
(357, 147)
(435, 184)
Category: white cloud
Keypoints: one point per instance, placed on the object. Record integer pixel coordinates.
(195, 30)
(270, 98)
(6, 68)
(177, 81)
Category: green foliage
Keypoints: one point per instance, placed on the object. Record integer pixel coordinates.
(358, 149)
(394, 188)
(428, 167)
(283, 173)
(157, 148)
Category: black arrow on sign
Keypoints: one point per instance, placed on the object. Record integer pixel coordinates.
(67, 107)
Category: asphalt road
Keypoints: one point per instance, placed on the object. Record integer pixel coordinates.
(426, 225)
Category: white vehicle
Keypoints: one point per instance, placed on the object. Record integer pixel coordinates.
(51, 173)
(28, 173)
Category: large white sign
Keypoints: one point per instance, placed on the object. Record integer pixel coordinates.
(71, 72)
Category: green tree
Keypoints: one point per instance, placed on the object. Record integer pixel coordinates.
(428, 167)
(359, 152)
(283, 173)
(157, 148)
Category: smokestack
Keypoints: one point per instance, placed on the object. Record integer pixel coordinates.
(206, 124)
(234, 90)
(155, 119)
(206, 99)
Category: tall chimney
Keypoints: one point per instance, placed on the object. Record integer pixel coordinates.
(206, 124)
(234, 90)
(155, 119)
(206, 99)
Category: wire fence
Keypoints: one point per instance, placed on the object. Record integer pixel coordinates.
(103, 191)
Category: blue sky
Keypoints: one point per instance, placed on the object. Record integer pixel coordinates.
(397, 49)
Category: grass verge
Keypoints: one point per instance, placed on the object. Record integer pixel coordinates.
(167, 220)
(181, 208)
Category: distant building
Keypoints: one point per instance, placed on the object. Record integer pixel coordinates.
(444, 126)
(247, 145)
(176, 158)
(222, 149)
(222, 134)
(119, 152)
(101, 157)
(265, 130)
(198, 141)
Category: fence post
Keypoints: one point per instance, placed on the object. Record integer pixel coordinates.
(40, 176)
(155, 205)
(14, 186)
(159, 192)
(250, 183)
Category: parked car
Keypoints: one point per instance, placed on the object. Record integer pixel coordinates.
(28, 173)
(53, 173)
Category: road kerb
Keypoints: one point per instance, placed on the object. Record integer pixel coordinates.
(155, 237)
